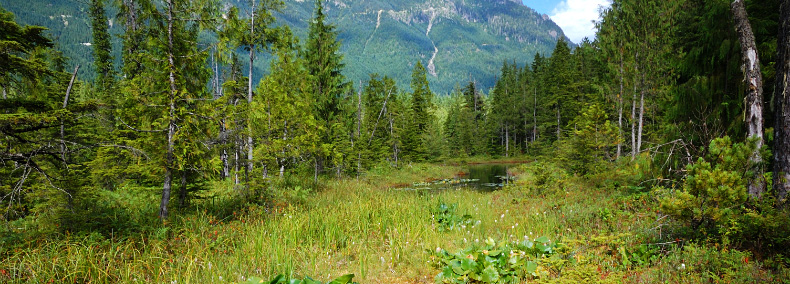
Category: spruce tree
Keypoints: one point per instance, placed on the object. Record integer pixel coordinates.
(102, 48)
(324, 63)
(420, 117)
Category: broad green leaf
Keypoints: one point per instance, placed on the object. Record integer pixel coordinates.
(277, 279)
(532, 267)
(490, 275)
(542, 239)
(456, 266)
(468, 264)
(345, 279)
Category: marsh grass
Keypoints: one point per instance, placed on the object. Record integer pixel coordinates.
(366, 227)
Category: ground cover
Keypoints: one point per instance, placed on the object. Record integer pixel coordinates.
(548, 227)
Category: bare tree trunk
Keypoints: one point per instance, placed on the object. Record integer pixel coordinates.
(641, 119)
(182, 197)
(236, 156)
(249, 99)
(782, 101)
(5, 93)
(171, 127)
(620, 110)
(65, 104)
(507, 142)
(633, 119)
(754, 94)
(558, 121)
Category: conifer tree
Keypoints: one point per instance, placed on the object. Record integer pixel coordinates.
(324, 63)
(102, 48)
(254, 34)
(420, 116)
(166, 99)
(560, 84)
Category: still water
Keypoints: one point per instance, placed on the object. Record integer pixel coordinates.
(482, 177)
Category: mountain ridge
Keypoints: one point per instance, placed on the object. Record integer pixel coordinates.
(457, 40)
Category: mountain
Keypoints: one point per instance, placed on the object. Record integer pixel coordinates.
(457, 40)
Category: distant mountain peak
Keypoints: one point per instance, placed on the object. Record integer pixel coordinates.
(457, 40)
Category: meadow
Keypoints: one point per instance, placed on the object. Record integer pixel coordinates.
(584, 230)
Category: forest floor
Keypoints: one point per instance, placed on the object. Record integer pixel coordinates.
(602, 232)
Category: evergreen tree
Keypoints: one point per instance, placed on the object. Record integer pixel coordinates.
(324, 63)
(102, 48)
(179, 85)
(560, 80)
(420, 116)
(42, 143)
(254, 35)
(283, 114)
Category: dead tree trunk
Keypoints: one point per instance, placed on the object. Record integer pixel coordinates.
(620, 109)
(782, 102)
(754, 94)
(250, 146)
(171, 125)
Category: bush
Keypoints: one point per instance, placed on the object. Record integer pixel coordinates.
(713, 203)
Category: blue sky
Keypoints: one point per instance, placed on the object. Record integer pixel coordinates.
(575, 17)
(542, 6)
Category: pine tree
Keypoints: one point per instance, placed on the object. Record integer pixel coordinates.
(420, 116)
(560, 82)
(254, 34)
(42, 143)
(102, 48)
(174, 76)
(324, 63)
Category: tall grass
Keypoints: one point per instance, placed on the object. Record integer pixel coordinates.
(367, 227)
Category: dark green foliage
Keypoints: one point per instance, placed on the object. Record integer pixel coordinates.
(496, 262)
(102, 47)
(282, 279)
(448, 219)
(420, 116)
(44, 139)
(324, 63)
(712, 202)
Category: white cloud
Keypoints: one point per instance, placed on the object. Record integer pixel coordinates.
(576, 17)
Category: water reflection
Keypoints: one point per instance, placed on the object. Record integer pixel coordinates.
(481, 177)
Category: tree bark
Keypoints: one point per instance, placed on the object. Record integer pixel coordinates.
(782, 101)
(641, 116)
(620, 110)
(171, 127)
(507, 142)
(754, 94)
(633, 117)
(248, 170)
(558, 121)
(182, 197)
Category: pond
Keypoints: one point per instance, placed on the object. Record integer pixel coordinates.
(479, 177)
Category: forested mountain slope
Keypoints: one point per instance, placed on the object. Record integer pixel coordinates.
(457, 40)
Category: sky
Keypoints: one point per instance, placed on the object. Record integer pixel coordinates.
(573, 16)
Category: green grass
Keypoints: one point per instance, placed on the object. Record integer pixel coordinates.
(381, 235)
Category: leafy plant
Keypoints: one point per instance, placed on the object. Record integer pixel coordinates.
(713, 195)
(282, 279)
(494, 262)
(447, 218)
